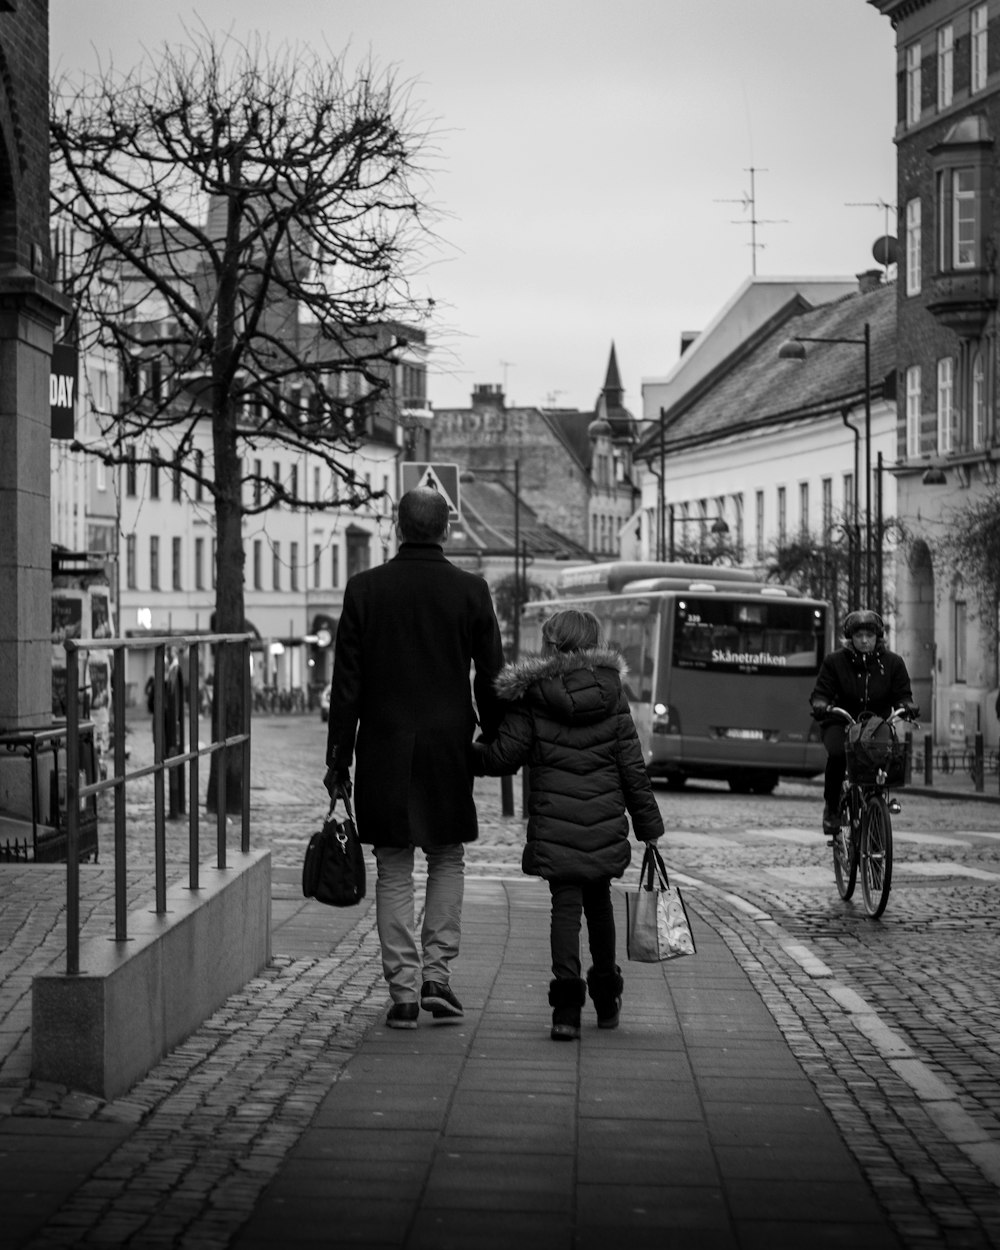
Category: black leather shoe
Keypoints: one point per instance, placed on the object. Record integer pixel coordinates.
(440, 1001)
(402, 1016)
(831, 823)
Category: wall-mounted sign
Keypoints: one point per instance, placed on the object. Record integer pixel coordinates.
(62, 389)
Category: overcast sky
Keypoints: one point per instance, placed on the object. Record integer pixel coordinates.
(585, 148)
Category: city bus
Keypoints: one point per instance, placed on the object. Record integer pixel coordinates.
(720, 666)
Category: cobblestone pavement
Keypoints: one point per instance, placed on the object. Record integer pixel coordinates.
(897, 1022)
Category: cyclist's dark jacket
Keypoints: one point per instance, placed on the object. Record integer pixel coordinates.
(569, 721)
(875, 683)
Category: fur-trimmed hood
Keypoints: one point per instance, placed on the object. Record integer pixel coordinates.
(578, 687)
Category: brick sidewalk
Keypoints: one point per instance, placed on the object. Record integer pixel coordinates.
(286, 1107)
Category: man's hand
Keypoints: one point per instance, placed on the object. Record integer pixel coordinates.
(338, 784)
(819, 710)
(911, 711)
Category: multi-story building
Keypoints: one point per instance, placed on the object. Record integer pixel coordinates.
(948, 345)
(575, 467)
(759, 452)
(306, 527)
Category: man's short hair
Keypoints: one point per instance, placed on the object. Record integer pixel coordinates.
(422, 516)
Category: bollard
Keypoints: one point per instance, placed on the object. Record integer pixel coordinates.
(978, 763)
(908, 757)
(507, 795)
(928, 761)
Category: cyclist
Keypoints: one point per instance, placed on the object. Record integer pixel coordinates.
(862, 676)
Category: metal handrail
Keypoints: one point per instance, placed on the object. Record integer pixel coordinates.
(75, 793)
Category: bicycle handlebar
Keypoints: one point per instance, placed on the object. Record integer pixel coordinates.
(898, 713)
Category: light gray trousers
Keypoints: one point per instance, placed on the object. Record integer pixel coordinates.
(404, 965)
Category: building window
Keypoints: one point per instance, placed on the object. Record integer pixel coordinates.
(758, 524)
(258, 471)
(977, 49)
(215, 561)
(782, 516)
(317, 551)
(276, 478)
(945, 66)
(154, 563)
(978, 402)
(276, 566)
(913, 268)
(913, 413)
(965, 218)
(335, 566)
(849, 496)
(945, 405)
(154, 474)
(130, 576)
(294, 486)
(293, 566)
(257, 563)
(913, 84)
(177, 478)
(102, 475)
(130, 474)
(316, 486)
(826, 489)
(175, 563)
(961, 640)
(199, 564)
(199, 468)
(359, 553)
(803, 508)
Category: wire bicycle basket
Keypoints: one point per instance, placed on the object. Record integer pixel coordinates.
(874, 753)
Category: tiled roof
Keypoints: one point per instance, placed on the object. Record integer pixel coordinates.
(754, 387)
(487, 523)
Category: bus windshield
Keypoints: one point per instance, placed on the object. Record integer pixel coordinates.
(732, 636)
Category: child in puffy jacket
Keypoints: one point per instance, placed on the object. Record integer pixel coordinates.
(569, 722)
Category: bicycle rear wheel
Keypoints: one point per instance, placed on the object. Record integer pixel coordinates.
(845, 851)
(876, 855)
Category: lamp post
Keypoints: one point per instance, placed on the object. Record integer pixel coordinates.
(792, 349)
(661, 508)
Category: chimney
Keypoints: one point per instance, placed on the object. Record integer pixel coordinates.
(869, 281)
(486, 396)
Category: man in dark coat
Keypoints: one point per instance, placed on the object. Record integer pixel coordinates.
(864, 676)
(409, 634)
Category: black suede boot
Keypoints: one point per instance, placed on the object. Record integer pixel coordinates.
(566, 996)
(606, 991)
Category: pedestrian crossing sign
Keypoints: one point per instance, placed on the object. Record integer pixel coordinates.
(440, 477)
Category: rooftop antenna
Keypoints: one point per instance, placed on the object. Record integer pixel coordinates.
(886, 253)
(505, 365)
(551, 397)
(750, 201)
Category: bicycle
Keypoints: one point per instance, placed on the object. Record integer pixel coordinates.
(864, 839)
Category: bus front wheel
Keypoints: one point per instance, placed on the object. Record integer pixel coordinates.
(675, 781)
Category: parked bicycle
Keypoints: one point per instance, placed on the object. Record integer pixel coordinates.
(875, 761)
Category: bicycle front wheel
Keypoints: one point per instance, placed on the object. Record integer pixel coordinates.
(876, 856)
(845, 852)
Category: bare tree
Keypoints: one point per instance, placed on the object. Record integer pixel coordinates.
(243, 228)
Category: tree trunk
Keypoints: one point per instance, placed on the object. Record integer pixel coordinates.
(230, 612)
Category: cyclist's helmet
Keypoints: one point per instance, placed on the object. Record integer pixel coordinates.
(863, 618)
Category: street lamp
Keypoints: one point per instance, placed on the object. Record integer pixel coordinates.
(719, 526)
(792, 349)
